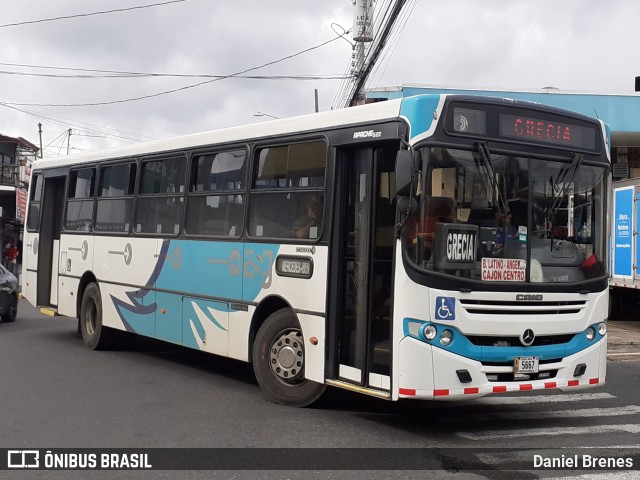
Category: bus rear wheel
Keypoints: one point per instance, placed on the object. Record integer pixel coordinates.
(94, 335)
(278, 362)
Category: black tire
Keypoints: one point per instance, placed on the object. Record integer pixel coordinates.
(94, 335)
(12, 313)
(278, 362)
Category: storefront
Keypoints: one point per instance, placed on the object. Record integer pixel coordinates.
(16, 157)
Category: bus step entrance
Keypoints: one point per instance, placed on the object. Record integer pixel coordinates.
(356, 388)
(51, 311)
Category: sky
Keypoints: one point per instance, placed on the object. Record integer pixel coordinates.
(574, 45)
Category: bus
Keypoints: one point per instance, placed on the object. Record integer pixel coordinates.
(418, 248)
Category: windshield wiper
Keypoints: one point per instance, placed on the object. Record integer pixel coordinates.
(496, 194)
(565, 177)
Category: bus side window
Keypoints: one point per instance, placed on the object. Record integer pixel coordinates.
(284, 178)
(161, 198)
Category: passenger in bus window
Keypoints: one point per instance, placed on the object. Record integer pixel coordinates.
(422, 228)
(308, 225)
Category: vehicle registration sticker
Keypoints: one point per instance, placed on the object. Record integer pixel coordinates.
(525, 365)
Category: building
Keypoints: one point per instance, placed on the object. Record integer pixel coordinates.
(17, 155)
(621, 113)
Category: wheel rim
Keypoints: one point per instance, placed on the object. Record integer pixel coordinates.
(286, 357)
(90, 318)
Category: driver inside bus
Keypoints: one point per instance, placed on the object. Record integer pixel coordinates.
(505, 231)
(308, 225)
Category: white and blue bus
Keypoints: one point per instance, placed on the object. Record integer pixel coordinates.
(417, 248)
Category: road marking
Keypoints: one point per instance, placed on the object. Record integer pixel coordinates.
(531, 432)
(569, 397)
(576, 413)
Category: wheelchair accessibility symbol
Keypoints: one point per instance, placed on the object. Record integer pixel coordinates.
(445, 308)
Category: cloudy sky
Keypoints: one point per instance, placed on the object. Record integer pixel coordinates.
(576, 45)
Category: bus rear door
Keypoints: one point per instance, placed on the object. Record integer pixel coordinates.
(48, 249)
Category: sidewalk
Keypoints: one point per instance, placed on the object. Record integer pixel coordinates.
(624, 340)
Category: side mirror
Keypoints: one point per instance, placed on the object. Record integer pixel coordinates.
(404, 172)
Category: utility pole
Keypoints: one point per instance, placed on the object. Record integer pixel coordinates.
(68, 140)
(40, 135)
(363, 71)
(317, 104)
(362, 35)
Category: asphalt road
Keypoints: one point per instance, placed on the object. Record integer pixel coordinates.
(55, 393)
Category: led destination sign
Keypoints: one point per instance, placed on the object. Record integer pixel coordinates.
(547, 131)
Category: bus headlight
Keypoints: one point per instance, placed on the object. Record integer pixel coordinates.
(429, 332)
(591, 333)
(445, 337)
(602, 328)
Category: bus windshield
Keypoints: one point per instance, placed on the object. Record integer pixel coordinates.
(506, 218)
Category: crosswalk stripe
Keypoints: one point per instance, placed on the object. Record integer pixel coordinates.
(602, 476)
(569, 397)
(530, 432)
(576, 413)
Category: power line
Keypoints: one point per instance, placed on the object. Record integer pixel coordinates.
(387, 25)
(89, 14)
(175, 89)
(334, 76)
(395, 40)
(127, 74)
(108, 132)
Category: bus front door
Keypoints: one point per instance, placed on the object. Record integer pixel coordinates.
(365, 233)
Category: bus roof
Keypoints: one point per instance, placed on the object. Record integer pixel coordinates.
(379, 111)
(304, 123)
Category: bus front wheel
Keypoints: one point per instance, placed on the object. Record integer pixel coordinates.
(94, 335)
(278, 362)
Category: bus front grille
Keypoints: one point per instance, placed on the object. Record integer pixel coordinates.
(504, 341)
(509, 308)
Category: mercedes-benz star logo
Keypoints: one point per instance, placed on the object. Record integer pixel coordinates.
(527, 337)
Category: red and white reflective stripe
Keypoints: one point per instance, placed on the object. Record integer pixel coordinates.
(518, 387)
(409, 392)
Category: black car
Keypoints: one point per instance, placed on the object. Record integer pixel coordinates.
(8, 295)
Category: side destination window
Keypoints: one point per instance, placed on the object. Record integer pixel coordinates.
(80, 191)
(287, 195)
(33, 215)
(215, 205)
(160, 196)
(115, 198)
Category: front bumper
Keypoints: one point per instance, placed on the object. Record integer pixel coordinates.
(428, 372)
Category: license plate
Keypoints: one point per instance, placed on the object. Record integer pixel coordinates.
(525, 365)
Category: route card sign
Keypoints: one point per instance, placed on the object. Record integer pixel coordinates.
(504, 269)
